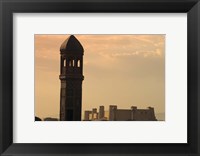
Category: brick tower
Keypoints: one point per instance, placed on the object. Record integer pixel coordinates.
(71, 77)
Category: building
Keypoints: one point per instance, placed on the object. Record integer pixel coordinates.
(115, 114)
(37, 118)
(50, 119)
(132, 114)
(71, 77)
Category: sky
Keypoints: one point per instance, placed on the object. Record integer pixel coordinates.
(122, 70)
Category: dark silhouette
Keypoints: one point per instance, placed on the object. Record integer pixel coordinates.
(71, 77)
(50, 119)
(115, 114)
(37, 118)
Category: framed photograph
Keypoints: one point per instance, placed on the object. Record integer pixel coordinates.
(99, 69)
(102, 77)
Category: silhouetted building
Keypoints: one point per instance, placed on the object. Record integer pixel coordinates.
(101, 112)
(71, 77)
(50, 119)
(94, 114)
(132, 114)
(87, 115)
(115, 114)
(37, 118)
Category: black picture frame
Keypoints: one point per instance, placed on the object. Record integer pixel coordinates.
(8, 7)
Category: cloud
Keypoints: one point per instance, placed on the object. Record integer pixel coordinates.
(103, 51)
(145, 54)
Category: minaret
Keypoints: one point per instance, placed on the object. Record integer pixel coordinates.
(71, 77)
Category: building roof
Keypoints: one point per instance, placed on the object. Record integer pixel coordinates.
(71, 44)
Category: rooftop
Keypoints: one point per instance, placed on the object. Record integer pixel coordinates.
(71, 44)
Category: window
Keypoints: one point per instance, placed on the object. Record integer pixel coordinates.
(64, 62)
(70, 63)
(78, 63)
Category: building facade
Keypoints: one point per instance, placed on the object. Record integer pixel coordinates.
(115, 114)
(71, 77)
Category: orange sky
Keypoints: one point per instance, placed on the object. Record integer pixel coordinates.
(122, 70)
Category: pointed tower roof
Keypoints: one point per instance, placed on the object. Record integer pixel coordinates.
(71, 45)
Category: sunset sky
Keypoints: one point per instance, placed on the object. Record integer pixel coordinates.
(122, 70)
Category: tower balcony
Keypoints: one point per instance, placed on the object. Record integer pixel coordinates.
(71, 76)
(68, 70)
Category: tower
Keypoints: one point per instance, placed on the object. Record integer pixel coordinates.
(112, 112)
(71, 77)
(101, 112)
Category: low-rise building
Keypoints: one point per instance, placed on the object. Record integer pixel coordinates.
(115, 114)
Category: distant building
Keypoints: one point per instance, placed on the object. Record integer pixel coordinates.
(37, 118)
(50, 119)
(115, 114)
